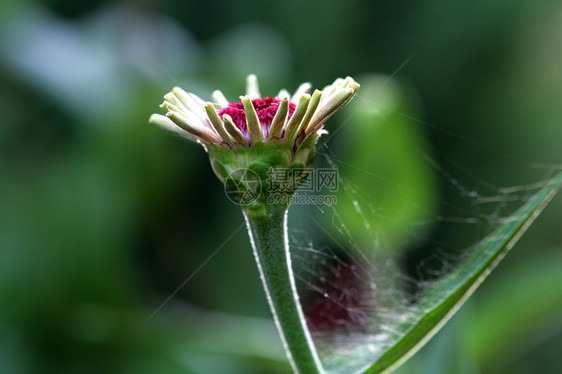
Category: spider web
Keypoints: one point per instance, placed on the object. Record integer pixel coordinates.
(357, 291)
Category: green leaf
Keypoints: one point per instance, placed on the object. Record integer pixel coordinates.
(441, 302)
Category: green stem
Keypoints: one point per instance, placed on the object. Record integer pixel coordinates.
(268, 235)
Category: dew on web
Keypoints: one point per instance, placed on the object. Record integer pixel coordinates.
(358, 285)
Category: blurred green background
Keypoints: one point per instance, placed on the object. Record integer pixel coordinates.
(103, 217)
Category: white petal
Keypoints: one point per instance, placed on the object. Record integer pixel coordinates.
(303, 88)
(191, 102)
(252, 87)
(217, 123)
(284, 94)
(252, 120)
(167, 124)
(219, 99)
(189, 115)
(203, 132)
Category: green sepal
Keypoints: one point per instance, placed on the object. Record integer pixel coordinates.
(270, 170)
(261, 169)
(220, 169)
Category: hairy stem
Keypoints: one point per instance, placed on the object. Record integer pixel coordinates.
(268, 235)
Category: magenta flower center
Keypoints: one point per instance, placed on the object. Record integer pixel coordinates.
(265, 109)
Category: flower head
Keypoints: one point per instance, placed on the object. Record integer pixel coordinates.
(263, 136)
(253, 119)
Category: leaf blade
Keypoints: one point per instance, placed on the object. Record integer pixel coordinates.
(450, 293)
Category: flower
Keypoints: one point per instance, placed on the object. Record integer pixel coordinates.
(253, 119)
(255, 143)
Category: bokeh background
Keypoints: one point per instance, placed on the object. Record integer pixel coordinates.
(103, 217)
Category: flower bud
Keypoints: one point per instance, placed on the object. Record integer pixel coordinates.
(257, 146)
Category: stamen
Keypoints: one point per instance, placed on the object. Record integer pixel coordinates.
(265, 109)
